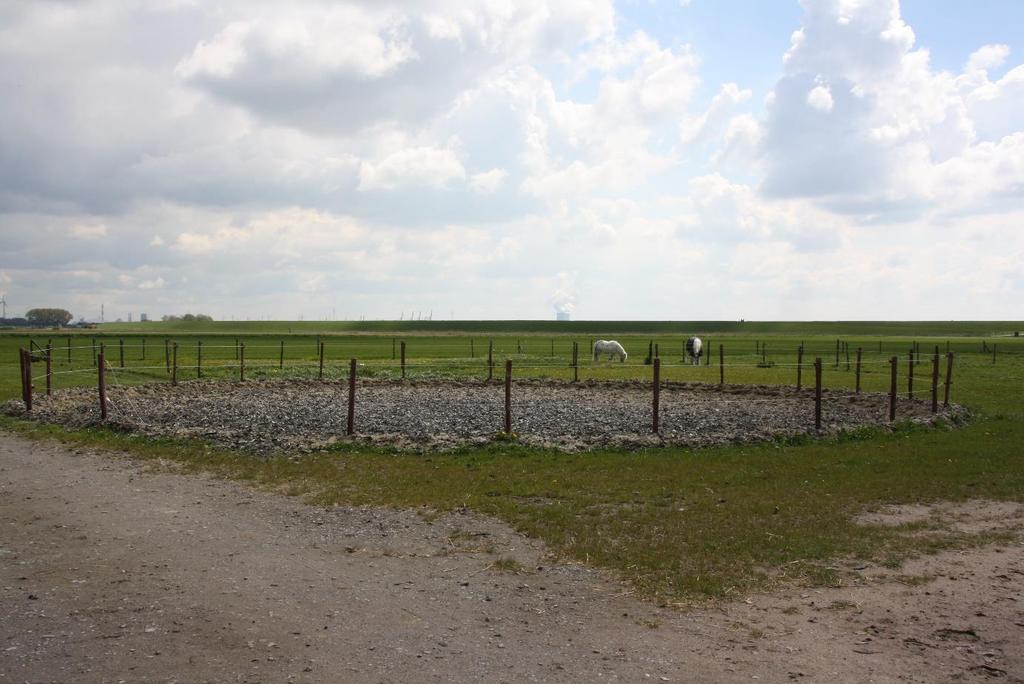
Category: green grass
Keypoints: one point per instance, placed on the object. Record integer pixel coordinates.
(676, 524)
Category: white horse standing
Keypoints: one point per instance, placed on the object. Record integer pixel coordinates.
(693, 350)
(610, 347)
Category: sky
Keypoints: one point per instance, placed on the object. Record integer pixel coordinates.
(490, 159)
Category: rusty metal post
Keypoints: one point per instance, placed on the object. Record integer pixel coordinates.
(721, 365)
(174, 364)
(102, 379)
(799, 366)
(817, 393)
(935, 382)
(949, 377)
(508, 396)
(321, 345)
(859, 354)
(49, 369)
(910, 376)
(403, 359)
(241, 362)
(892, 388)
(351, 428)
(657, 394)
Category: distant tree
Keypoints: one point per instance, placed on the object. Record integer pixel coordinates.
(203, 317)
(188, 317)
(170, 318)
(57, 317)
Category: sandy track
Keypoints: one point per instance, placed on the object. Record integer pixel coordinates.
(109, 571)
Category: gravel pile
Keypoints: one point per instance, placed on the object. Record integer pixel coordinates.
(303, 415)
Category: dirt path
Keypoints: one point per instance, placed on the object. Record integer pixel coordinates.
(109, 571)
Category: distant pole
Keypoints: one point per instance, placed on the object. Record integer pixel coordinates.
(949, 377)
(351, 428)
(721, 365)
(49, 369)
(403, 359)
(657, 393)
(174, 364)
(817, 393)
(859, 354)
(892, 388)
(508, 396)
(102, 381)
(935, 381)
(799, 366)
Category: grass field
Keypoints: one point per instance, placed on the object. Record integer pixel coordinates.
(677, 524)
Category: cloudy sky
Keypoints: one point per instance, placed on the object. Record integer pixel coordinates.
(630, 159)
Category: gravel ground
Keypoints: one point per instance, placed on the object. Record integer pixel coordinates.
(306, 415)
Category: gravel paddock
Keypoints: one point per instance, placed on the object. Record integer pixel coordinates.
(275, 415)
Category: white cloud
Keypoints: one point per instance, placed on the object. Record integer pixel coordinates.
(487, 181)
(88, 231)
(820, 98)
(429, 166)
(155, 284)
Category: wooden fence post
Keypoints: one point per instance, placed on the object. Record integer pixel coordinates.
(49, 369)
(69, 350)
(143, 348)
(241, 362)
(26, 382)
(859, 353)
(490, 360)
(121, 346)
(817, 393)
(280, 360)
(174, 364)
(102, 380)
(472, 349)
(949, 377)
(403, 359)
(575, 362)
(321, 346)
(935, 381)
(707, 357)
(721, 365)
(892, 388)
(351, 428)
(799, 366)
(657, 393)
(199, 358)
(910, 376)
(508, 396)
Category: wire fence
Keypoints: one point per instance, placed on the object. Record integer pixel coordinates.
(734, 372)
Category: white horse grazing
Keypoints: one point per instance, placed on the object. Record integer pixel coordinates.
(693, 346)
(610, 347)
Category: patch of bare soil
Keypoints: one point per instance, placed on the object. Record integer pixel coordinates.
(112, 571)
(968, 517)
